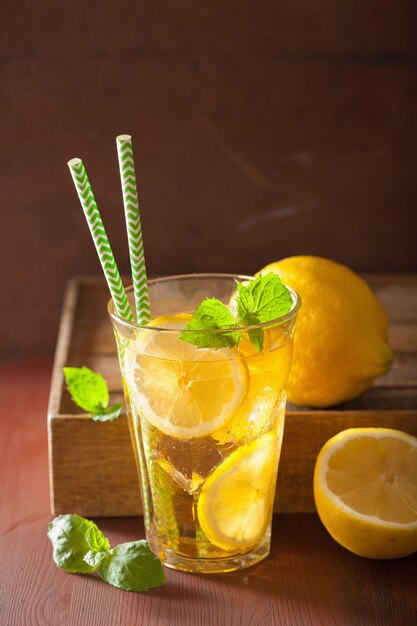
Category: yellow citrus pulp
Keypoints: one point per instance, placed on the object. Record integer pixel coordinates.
(365, 489)
(182, 390)
(235, 504)
(341, 336)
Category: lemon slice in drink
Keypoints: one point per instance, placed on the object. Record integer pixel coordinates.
(235, 504)
(182, 390)
(365, 488)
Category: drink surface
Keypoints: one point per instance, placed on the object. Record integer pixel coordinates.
(207, 426)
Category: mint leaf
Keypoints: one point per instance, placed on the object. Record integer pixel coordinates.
(94, 558)
(133, 567)
(72, 537)
(88, 389)
(256, 336)
(244, 300)
(262, 300)
(212, 314)
(108, 414)
(95, 538)
(79, 546)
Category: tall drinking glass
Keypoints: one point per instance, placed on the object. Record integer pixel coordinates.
(206, 424)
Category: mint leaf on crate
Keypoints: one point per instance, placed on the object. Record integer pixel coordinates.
(90, 392)
(262, 300)
(108, 414)
(133, 567)
(87, 388)
(73, 537)
(212, 314)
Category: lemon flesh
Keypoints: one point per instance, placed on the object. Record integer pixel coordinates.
(365, 489)
(341, 336)
(235, 504)
(182, 390)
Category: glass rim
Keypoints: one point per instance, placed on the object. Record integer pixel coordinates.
(132, 325)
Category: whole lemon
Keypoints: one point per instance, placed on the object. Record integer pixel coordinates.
(341, 336)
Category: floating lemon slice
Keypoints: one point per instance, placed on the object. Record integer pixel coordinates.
(236, 500)
(365, 488)
(182, 390)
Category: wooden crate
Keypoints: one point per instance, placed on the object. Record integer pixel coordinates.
(92, 468)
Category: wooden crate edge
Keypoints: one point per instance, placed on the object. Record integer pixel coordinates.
(61, 353)
(64, 338)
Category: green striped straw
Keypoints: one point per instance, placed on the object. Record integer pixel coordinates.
(104, 251)
(133, 226)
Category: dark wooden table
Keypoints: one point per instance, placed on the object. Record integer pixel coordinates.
(308, 579)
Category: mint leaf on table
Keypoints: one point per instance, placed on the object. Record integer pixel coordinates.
(79, 546)
(94, 537)
(132, 566)
(212, 314)
(94, 558)
(90, 392)
(72, 537)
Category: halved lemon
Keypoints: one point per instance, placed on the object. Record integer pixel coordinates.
(235, 504)
(182, 390)
(365, 488)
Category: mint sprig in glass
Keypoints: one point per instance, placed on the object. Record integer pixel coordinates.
(261, 300)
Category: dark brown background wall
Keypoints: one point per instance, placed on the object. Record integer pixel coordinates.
(261, 130)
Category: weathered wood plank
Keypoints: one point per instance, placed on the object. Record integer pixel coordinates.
(403, 372)
(69, 309)
(398, 293)
(94, 469)
(403, 336)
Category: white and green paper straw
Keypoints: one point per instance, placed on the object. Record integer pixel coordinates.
(104, 251)
(133, 226)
